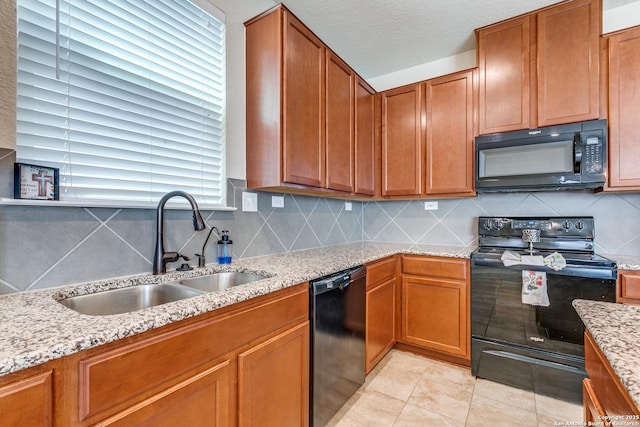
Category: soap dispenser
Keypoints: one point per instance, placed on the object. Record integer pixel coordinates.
(224, 248)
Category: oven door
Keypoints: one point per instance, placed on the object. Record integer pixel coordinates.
(532, 347)
(497, 311)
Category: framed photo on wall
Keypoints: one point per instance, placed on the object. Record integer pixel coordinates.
(36, 182)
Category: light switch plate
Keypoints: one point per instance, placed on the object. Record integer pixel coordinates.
(277, 201)
(348, 206)
(430, 206)
(249, 202)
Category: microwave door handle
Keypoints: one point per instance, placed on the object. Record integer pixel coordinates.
(577, 154)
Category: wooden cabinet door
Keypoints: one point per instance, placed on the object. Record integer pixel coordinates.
(367, 162)
(402, 141)
(611, 396)
(624, 110)
(568, 38)
(435, 314)
(339, 124)
(504, 65)
(273, 381)
(593, 412)
(28, 402)
(628, 291)
(450, 133)
(380, 330)
(303, 142)
(201, 400)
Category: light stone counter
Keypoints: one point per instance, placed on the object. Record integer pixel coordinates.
(615, 330)
(626, 262)
(34, 328)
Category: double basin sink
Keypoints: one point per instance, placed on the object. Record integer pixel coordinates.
(133, 298)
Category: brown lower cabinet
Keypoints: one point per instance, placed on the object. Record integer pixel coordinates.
(381, 308)
(435, 307)
(604, 396)
(26, 397)
(628, 291)
(245, 364)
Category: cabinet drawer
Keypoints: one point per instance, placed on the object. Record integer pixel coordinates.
(28, 402)
(198, 401)
(593, 411)
(380, 271)
(629, 286)
(448, 268)
(609, 392)
(120, 377)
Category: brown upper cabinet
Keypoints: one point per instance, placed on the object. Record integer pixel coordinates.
(367, 152)
(540, 69)
(301, 111)
(624, 105)
(451, 110)
(339, 115)
(402, 141)
(427, 137)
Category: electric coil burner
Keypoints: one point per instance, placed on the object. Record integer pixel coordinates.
(537, 346)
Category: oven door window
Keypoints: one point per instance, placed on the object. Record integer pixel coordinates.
(497, 311)
(530, 159)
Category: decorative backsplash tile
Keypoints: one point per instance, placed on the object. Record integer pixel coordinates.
(47, 247)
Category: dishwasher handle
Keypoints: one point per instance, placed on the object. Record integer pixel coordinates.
(338, 281)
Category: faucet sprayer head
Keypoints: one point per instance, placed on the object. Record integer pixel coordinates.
(198, 222)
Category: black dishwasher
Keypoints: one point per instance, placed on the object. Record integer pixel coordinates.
(337, 314)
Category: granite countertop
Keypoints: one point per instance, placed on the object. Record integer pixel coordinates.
(615, 330)
(34, 328)
(626, 262)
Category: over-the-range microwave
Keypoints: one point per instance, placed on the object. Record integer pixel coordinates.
(569, 156)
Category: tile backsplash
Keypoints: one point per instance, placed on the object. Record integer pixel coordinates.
(47, 247)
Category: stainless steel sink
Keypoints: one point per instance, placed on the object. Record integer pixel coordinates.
(126, 300)
(220, 281)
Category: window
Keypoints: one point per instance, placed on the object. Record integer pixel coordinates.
(126, 97)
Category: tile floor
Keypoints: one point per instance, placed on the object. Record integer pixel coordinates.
(405, 389)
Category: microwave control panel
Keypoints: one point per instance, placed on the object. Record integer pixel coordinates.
(592, 155)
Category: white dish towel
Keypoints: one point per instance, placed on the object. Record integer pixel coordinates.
(534, 288)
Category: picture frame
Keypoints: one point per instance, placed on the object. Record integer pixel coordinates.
(36, 182)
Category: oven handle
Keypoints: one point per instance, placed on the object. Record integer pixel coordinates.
(605, 273)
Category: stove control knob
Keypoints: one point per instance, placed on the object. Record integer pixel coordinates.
(487, 224)
(499, 225)
(580, 225)
(566, 225)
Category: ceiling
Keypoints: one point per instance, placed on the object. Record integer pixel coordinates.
(378, 37)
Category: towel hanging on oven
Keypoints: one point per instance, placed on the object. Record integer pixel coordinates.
(554, 261)
(534, 288)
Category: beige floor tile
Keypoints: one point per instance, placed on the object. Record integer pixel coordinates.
(513, 396)
(490, 412)
(373, 409)
(408, 361)
(345, 408)
(558, 409)
(399, 377)
(415, 416)
(548, 421)
(452, 401)
(451, 375)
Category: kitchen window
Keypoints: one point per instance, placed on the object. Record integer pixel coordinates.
(125, 97)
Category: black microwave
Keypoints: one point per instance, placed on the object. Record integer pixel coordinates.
(569, 156)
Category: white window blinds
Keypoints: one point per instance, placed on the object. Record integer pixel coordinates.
(126, 97)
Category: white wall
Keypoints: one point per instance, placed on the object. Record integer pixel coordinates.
(237, 12)
(612, 20)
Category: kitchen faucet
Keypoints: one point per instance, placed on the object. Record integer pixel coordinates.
(161, 258)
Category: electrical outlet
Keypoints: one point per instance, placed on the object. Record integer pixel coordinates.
(249, 202)
(430, 206)
(348, 206)
(277, 201)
